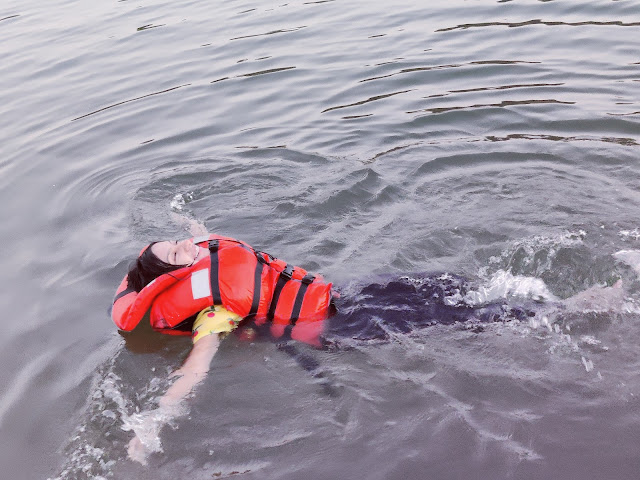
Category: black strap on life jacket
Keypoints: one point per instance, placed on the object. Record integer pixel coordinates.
(297, 305)
(215, 265)
(283, 278)
(124, 292)
(261, 261)
(214, 246)
(257, 283)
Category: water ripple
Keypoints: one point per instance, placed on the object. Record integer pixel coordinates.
(624, 114)
(370, 99)
(149, 26)
(505, 87)
(272, 32)
(505, 103)
(627, 142)
(352, 117)
(537, 21)
(446, 66)
(7, 18)
(129, 101)
(264, 72)
(391, 150)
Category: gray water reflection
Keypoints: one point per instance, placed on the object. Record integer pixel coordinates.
(518, 158)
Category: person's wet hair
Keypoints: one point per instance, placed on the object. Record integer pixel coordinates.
(146, 268)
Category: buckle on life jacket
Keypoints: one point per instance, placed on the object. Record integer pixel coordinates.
(260, 257)
(308, 279)
(287, 272)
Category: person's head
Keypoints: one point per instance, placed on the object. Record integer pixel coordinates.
(160, 258)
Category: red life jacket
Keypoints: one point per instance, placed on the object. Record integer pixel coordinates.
(245, 281)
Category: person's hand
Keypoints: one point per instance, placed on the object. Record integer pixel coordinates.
(196, 228)
(136, 451)
(146, 426)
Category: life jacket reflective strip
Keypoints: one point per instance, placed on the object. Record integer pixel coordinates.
(241, 279)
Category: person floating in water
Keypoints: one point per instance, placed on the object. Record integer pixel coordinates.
(210, 285)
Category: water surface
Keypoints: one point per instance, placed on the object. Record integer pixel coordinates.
(354, 138)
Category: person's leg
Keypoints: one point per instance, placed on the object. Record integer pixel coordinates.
(402, 304)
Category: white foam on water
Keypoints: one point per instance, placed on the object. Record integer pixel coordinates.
(503, 285)
(110, 390)
(630, 305)
(590, 340)
(539, 251)
(97, 445)
(588, 364)
(106, 403)
(147, 426)
(533, 245)
(179, 200)
(630, 257)
(561, 343)
(630, 234)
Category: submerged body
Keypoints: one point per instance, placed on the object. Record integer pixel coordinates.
(402, 304)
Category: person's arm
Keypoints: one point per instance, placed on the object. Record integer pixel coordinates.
(192, 372)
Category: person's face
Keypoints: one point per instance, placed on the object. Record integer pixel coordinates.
(183, 252)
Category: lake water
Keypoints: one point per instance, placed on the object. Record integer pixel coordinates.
(497, 140)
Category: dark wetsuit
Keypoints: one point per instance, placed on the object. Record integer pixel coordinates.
(402, 304)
